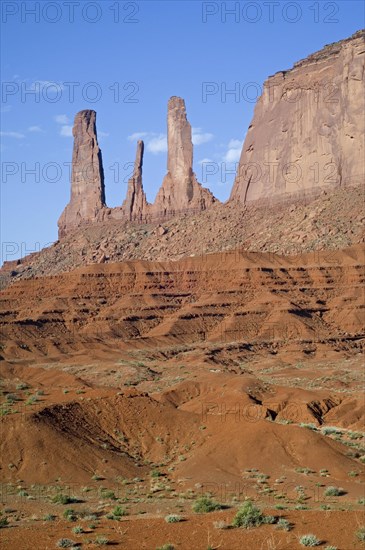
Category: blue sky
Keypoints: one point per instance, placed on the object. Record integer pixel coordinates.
(125, 59)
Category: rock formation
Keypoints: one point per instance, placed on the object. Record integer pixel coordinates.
(180, 190)
(135, 205)
(87, 177)
(308, 126)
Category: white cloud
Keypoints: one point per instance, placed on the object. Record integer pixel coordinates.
(6, 108)
(61, 119)
(35, 129)
(157, 144)
(138, 135)
(16, 135)
(66, 131)
(199, 137)
(233, 153)
(205, 161)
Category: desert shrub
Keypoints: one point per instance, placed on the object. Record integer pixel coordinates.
(167, 546)
(309, 426)
(78, 529)
(65, 543)
(70, 514)
(332, 491)
(62, 499)
(4, 522)
(283, 524)
(360, 534)
(173, 518)
(117, 513)
(331, 548)
(309, 540)
(249, 515)
(220, 524)
(101, 541)
(49, 517)
(22, 386)
(106, 493)
(205, 504)
(330, 430)
(155, 473)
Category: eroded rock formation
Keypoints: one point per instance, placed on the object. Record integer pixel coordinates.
(308, 126)
(87, 177)
(135, 205)
(180, 190)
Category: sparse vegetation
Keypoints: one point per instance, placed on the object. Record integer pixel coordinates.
(360, 534)
(78, 529)
(117, 513)
(173, 518)
(309, 540)
(249, 515)
(62, 499)
(167, 546)
(283, 524)
(4, 522)
(70, 514)
(332, 491)
(66, 543)
(101, 541)
(205, 504)
(220, 524)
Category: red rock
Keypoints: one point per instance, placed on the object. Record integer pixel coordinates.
(87, 178)
(306, 133)
(180, 191)
(135, 204)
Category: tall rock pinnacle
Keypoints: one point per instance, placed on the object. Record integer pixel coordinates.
(87, 177)
(180, 190)
(135, 204)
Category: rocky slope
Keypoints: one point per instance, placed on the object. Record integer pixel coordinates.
(225, 297)
(332, 221)
(308, 126)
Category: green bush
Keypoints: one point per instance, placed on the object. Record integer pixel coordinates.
(4, 522)
(249, 515)
(117, 513)
(167, 546)
(283, 524)
(70, 514)
(62, 499)
(360, 534)
(173, 518)
(101, 541)
(205, 504)
(332, 491)
(309, 540)
(65, 543)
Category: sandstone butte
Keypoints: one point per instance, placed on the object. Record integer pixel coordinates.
(308, 127)
(306, 135)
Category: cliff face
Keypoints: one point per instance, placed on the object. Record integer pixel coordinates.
(87, 177)
(308, 126)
